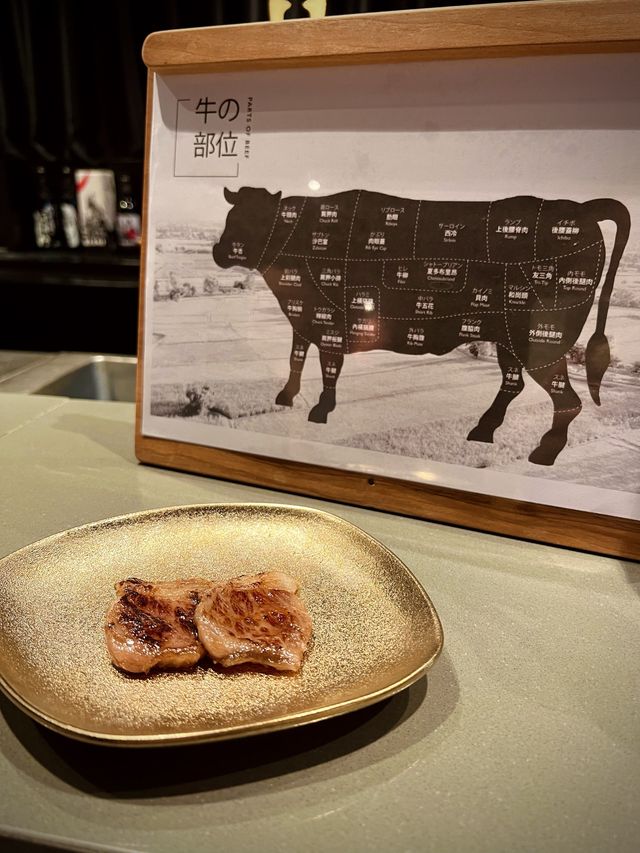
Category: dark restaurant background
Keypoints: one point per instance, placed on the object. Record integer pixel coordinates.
(72, 95)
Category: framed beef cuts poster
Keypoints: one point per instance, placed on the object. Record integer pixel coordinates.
(408, 279)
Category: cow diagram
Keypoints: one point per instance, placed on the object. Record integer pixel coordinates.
(360, 270)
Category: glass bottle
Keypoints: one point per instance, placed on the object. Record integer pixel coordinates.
(127, 215)
(46, 219)
(69, 209)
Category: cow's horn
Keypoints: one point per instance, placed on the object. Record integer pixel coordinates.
(230, 196)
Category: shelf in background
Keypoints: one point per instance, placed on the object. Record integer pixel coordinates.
(84, 268)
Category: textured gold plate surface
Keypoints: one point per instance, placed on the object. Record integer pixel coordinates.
(375, 629)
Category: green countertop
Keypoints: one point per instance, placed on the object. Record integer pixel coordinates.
(526, 735)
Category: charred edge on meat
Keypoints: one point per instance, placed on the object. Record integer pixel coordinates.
(143, 626)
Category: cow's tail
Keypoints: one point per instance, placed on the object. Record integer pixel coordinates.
(598, 356)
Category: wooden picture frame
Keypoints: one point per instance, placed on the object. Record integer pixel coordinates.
(519, 29)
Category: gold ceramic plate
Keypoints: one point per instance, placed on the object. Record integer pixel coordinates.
(375, 629)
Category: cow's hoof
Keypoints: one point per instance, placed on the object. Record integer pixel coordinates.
(284, 398)
(478, 434)
(540, 456)
(317, 415)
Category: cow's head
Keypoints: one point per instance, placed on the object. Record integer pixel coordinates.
(247, 228)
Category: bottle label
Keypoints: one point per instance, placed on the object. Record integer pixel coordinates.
(70, 224)
(128, 229)
(44, 226)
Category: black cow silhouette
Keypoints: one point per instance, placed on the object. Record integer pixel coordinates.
(360, 270)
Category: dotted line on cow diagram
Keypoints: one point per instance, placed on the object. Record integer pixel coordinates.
(353, 219)
(571, 306)
(522, 364)
(548, 364)
(340, 310)
(299, 334)
(415, 228)
(506, 318)
(486, 233)
(435, 258)
(278, 254)
(418, 319)
(511, 353)
(565, 411)
(467, 261)
(535, 231)
(377, 289)
(424, 288)
(534, 290)
(318, 287)
(600, 270)
(310, 342)
(273, 228)
(471, 309)
(481, 312)
(532, 286)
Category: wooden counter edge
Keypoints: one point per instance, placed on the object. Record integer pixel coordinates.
(585, 531)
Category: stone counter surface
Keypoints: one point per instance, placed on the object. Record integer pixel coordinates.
(524, 737)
